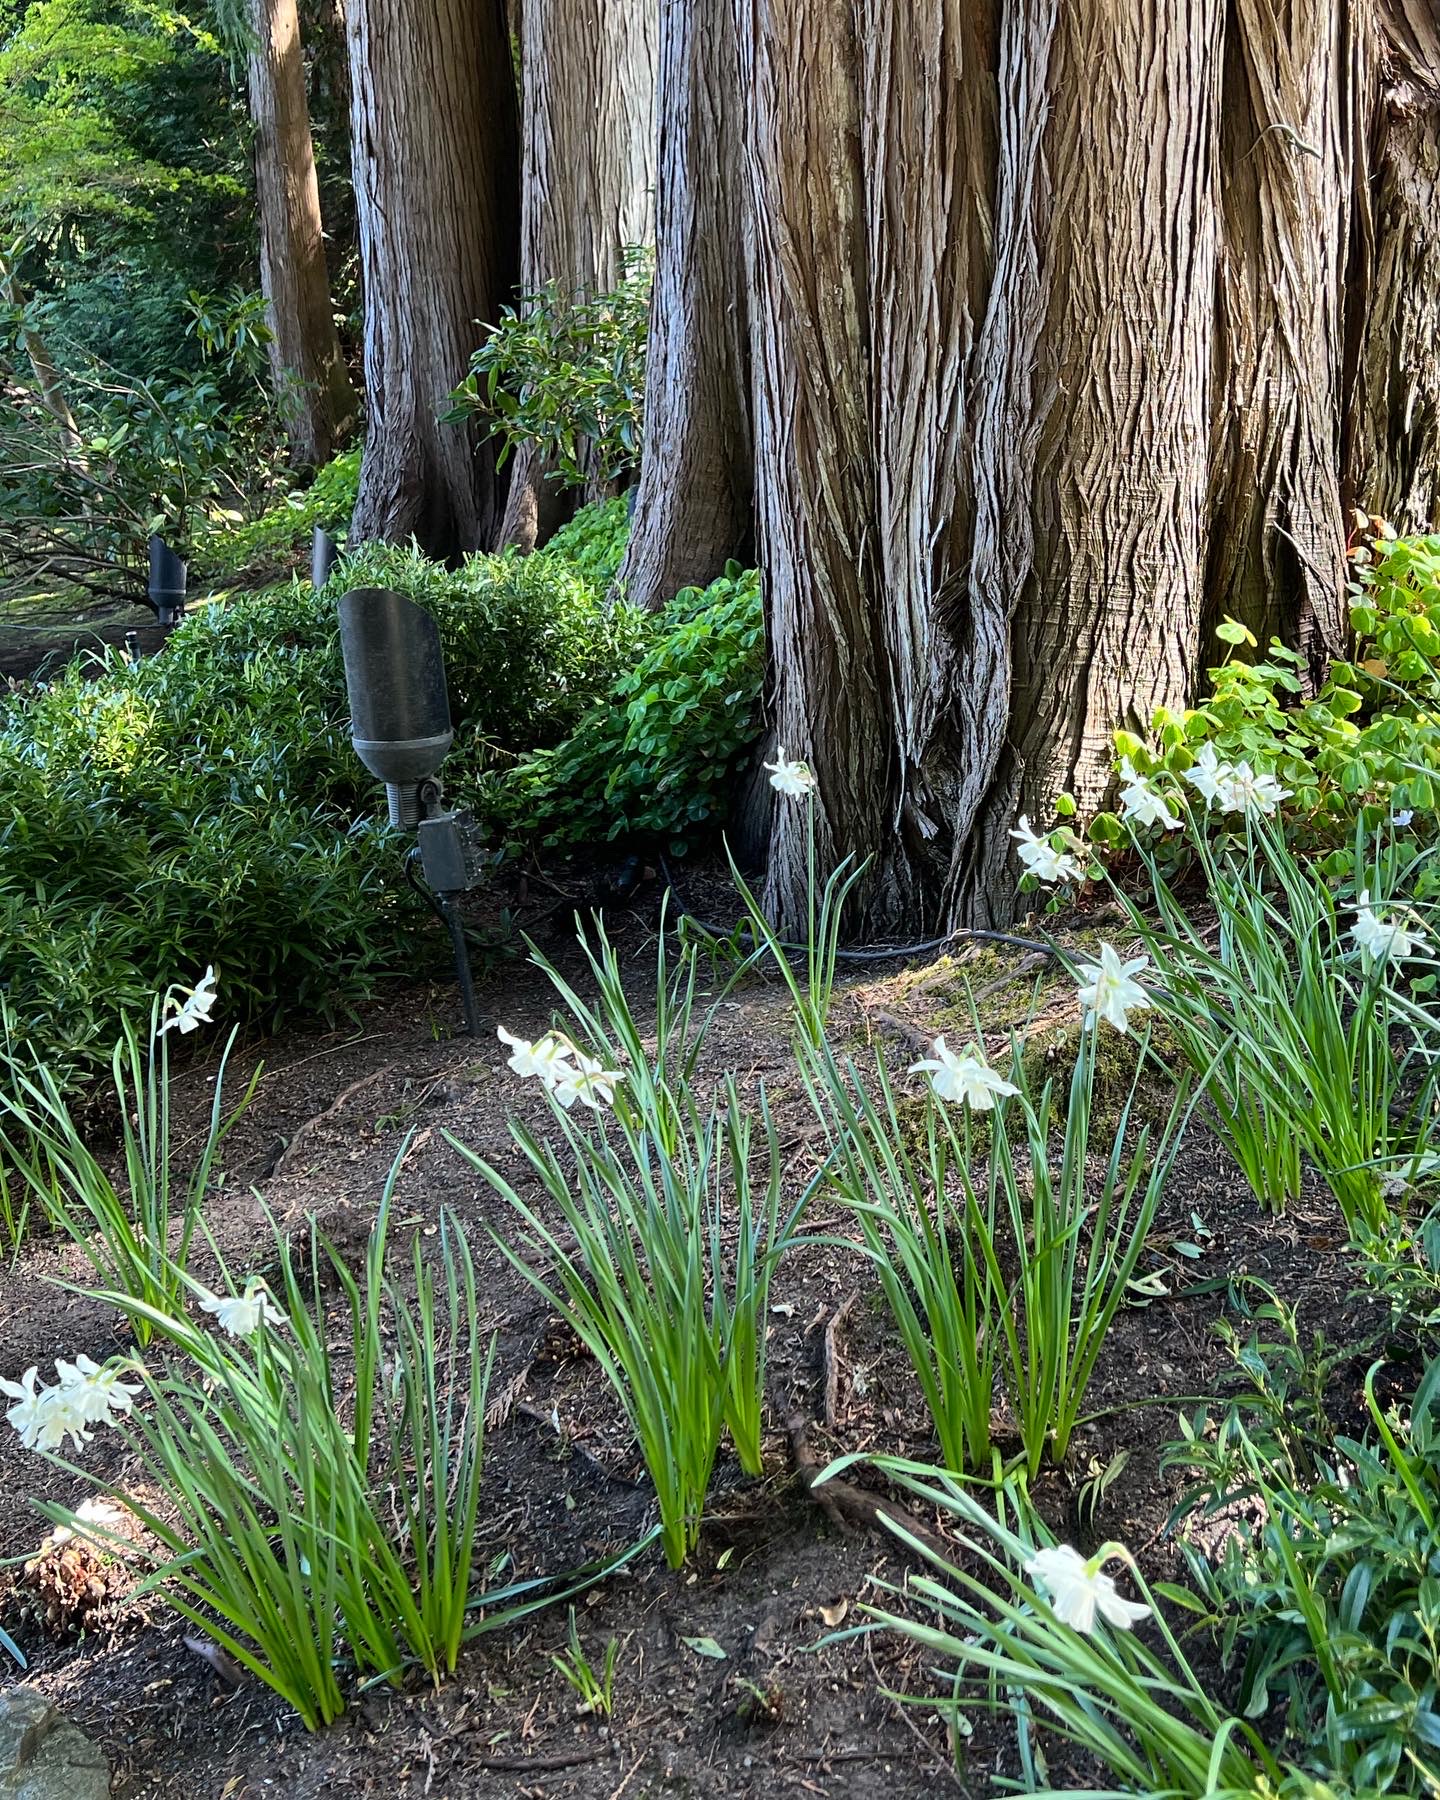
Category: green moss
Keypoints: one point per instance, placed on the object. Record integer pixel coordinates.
(1051, 1052)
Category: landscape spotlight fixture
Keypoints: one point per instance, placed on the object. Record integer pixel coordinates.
(165, 588)
(400, 727)
(323, 552)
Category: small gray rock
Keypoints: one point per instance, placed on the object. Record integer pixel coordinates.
(43, 1756)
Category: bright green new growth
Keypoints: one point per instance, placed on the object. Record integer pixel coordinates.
(1365, 745)
(935, 1216)
(126, 1237)
(595, 1688)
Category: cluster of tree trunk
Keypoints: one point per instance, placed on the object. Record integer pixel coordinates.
(1069, 329)
(1022, 340)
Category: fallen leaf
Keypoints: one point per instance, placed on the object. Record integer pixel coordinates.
(832, 1615)
(704, 1646)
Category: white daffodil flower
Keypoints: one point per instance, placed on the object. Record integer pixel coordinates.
(1379, 940)
(1107, 990)
(94, 1391)
(589, 1082)
(1142, 802)
(28, 1416)
(1208, 775)
(100, 1513)
(62, 1415)
(796, 780)
(197, 1006)
(1242, 790)
(1078, 1589)
(1040, 858)
(545, 1060)
(968, 1080)
(243, 1314)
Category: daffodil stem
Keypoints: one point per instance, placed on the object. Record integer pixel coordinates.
(810, 904)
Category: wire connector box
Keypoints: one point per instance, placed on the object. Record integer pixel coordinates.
(452, 852)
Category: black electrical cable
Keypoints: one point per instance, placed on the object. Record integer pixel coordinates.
(875, 953)
(412, 856)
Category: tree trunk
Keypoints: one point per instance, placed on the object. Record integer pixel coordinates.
(307, 369)
(435, 153)
(1072, 324)
(693, 505)
(587, 184)
(1292, 163)
(1394, 469)
(1105, 607)
(866, 154)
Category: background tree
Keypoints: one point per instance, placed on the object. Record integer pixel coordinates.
(435, 163)
(587, 183)
(308, 368)
(46, 376)
(124, 177)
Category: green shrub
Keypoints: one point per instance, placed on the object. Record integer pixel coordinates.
(567, 373)
(1367, 743)
(594, 541)
(198, 807)
(202, 807)
(279, 540)
(657, 757)
(528, 643)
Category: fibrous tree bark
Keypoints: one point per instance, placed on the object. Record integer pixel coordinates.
(867, 171)
(1292, 167)
(435, 158)
(1131, 397)
(1104, 609)
(307, 367)
(693, 502)
(587, 182)
(1395, 471)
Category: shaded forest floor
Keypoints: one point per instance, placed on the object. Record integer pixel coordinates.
(40, 633)
(775, 1714)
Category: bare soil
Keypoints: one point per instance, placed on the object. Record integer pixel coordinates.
(780, 1713)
